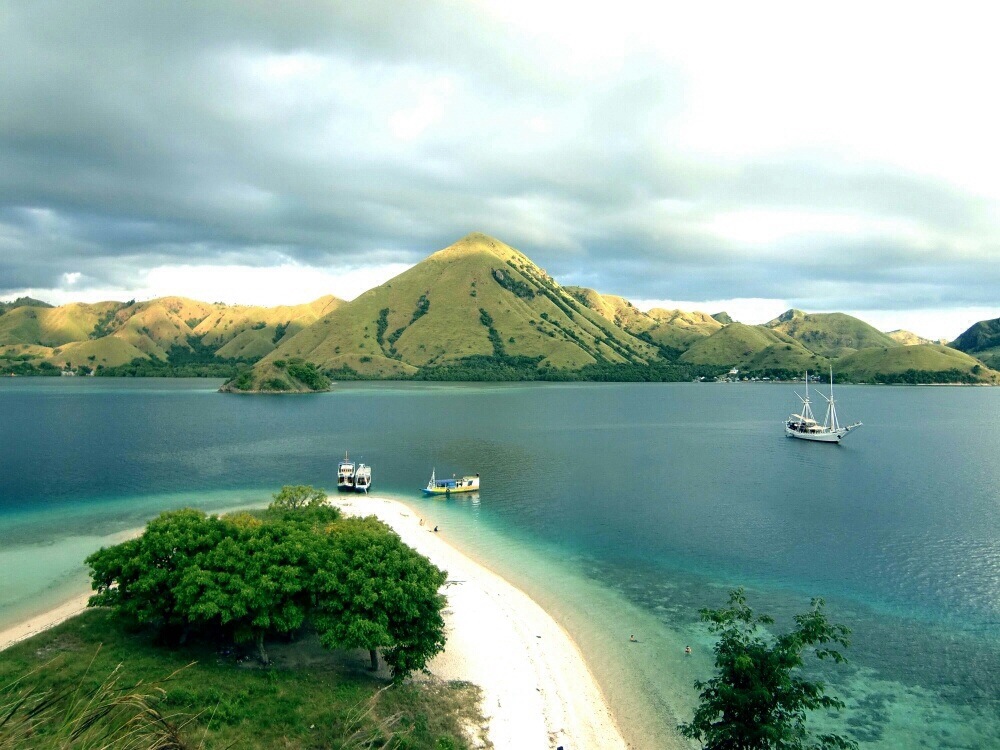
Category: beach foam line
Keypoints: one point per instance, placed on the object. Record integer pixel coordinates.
(537, 689)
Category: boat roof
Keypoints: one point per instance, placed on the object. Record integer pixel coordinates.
(807, 420)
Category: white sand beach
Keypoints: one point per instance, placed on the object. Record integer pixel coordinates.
(537, 689)
(44, 621)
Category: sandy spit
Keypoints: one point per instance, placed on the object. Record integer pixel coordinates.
(537, 689)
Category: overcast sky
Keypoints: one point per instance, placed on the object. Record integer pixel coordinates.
(750, 158)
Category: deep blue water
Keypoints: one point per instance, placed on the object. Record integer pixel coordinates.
(663, 495)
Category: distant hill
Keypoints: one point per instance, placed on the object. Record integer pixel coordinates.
(671, 329)
(22, 302)
(51, 326)
(907, 338)
(476, 310)
(829, 334)
(921, 363)
(477, 303)
(164, 333)
(797, 341)
(734, 344)
(983, 340)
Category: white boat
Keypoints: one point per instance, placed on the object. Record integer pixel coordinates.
(805, 427)
(345, 475)
(362, 478)
(448, 486)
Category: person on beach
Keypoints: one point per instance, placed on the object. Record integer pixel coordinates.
(435, 528)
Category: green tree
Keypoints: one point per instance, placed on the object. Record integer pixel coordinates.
(377, 593)
(140, 577)
(757, 701)
(255, 582)
(295, 496)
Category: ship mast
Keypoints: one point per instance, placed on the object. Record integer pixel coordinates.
(831, 409)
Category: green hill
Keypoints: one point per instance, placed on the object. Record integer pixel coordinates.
(735, 344)
(679, 330)
(22, 302)
(476, 303)
(106, 352)
(670, 329)
(908, 338)
(51, 326)
(979, 337)
(165, 333)
(785, 356)
(922, 363)
(983, 340)
(829, 334)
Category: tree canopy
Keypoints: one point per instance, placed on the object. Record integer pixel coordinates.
(251, 576)
(377, 593)
(757, 700)
(295, 496)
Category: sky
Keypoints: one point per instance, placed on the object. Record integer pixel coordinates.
(747, 157)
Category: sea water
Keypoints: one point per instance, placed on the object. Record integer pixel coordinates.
(622, 509)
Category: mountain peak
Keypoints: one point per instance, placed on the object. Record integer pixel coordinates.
(479, 244)
(787, 315)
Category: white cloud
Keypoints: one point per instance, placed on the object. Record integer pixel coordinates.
(743, 309)
(934, 324)
(287, 284)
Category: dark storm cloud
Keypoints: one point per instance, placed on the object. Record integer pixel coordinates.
(137, 135)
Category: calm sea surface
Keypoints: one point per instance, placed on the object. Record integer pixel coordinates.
(621, 508)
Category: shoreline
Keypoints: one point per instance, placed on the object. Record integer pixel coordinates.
(538, 690)
(42, 622)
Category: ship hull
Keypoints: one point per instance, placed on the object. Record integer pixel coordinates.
(817, 437)
(448, 490)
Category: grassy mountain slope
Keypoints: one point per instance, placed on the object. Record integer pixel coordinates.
(22, 302)
(51, 326)
(252, 332)
(786, 356)
(109, 351)
(979, 337)
(110, 334)
(883, 364)
(674, 329)
(476, 298)
(735, 344)
(614, 309)
(678, 329)
(155, 326)
(829, 334)
(908, 338)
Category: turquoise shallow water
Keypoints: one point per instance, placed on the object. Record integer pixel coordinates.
(621, 508)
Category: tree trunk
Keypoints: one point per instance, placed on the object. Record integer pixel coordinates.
(374, 657)
(260, 649)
